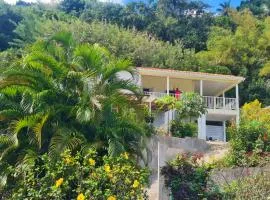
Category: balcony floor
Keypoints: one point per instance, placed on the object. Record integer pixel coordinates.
(221, 114)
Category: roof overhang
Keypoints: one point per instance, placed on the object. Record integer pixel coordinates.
(217, 83)
(189, 75)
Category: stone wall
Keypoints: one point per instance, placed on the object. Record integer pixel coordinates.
(227, 175)
(162, 149)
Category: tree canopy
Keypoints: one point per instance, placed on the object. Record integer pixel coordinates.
(180, 34)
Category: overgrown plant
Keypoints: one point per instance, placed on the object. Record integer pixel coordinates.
(189, 107)
(183, 129)
(81, 176)
(61, 95)
(250, 188)
(250, 143)
(187, 178)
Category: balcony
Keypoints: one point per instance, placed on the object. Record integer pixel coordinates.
(210, 102)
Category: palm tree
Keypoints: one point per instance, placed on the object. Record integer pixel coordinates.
(225, 8)
(64, 96)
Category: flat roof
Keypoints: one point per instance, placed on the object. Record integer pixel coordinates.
(161, 72)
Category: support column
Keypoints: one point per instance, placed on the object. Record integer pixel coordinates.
(168, 112)
(202, 127)
(158, 170)
(223, 95)
(224, 131)
(237, 105)
(168, 85)
(202, 119)
(139, 79)
(201, 87)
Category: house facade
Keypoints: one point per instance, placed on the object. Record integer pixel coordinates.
(214, 89)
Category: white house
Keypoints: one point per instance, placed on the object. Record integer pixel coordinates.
(157, 82)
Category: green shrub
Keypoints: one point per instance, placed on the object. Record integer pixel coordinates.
(187, 179)
(245, 137)
(182, 129)
(249, 145)
(81, 176)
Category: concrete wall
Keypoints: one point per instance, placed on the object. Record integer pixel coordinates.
(162, 149)
(227, 175)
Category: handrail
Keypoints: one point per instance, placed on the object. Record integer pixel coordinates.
(210, 102)
(213, 102)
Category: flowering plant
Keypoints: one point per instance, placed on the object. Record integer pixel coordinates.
(81, 176)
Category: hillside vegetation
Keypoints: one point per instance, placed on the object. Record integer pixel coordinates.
(161, 34)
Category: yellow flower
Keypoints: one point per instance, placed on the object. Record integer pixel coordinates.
(59, 182)
(125, 155)
(135, 184)
(111, 198)
(92, 162)
(110, 175)
(107, 168)
(68, 159)
(80, 197)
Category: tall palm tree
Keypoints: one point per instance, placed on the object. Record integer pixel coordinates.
(64, 96)
(224, 8)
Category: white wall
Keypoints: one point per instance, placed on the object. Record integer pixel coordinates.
(159, 84)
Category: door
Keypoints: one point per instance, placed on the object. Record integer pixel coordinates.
(215, 132)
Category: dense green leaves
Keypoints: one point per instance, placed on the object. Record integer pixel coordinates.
(63, 96)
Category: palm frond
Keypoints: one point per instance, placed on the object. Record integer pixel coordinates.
(37, 129)
(115, 148)
(64, 38)
(65, 139)
(44, 63)
(8, 142)
(90, 57)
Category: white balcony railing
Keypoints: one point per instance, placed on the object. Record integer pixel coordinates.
(210, 102)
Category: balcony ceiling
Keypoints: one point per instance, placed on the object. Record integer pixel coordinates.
(213, 84)
(214, 88)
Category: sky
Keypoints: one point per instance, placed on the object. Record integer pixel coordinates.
(213, 3)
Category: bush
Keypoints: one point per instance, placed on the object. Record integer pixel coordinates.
(249, 144)
(246, 136)
(79, 177)
(187, 179)
(242, 189)
(182, 129)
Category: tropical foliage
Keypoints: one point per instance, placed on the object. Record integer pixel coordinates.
(188, 108)
(190, 105)
(163, 34)
(81, 176)
(250, 145)
(183, 129)
(188, 178)
(61, 96)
